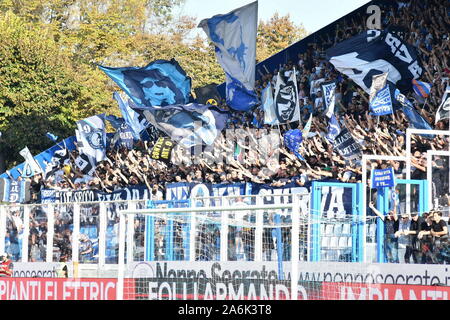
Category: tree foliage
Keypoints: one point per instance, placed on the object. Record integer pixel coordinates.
(50, 50)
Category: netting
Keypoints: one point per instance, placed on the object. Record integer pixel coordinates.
(242, 251)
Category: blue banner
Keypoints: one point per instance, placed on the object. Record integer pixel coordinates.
(383, 178)
(139, 192)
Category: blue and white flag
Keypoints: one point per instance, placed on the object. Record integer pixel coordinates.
(268, 106)
(293, 140)
(125, 136)
(191, 124)
(136, 122)
(287, 106)
(382, 103)
(234, 38)
(375, 52)
(416, 121)
(31, 166)
(329, 96)
(334, 129)
(160, 83)
(51, 136)
(91, 137)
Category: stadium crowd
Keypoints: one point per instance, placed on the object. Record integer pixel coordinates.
(425, 25)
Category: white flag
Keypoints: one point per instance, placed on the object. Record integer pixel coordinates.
(92, 136)
(268, 105)
(329, 95)
(444, 109)
(378, 82)
(31, 166)
(287, 106)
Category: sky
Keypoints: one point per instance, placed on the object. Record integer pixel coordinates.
(314, 14)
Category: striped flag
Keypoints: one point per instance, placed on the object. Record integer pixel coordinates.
(422, 89)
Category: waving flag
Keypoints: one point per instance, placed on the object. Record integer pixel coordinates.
(307, 127)
(132, 118)
(329, 90)
(208, 95)
(51, 136)
(382, 103)
(31, 166)
(91, 137)
(416, 121)
(444, 108)
(287, 107)
(234, 38)
(334, 129)
(375, 52)
(60, 157)
(160, 83)
(422, 89)
(115, 122)
(293, 140)
(268, 105)
(190, 124)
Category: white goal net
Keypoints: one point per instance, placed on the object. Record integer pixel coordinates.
(210, 253)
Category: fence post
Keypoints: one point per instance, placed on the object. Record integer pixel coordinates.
(295, 216)
(102, 234)
(26, 232)
(50, 231)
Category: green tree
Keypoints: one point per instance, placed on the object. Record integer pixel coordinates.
(277, 34)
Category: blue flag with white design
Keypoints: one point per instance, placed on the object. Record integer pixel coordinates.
(91, 137)
(375, 52)
(329, 96)
(416, 121)
(334, 129)
(160, 83)
(51, 136)
(132, 118)
(382, 103)
(234, 38)
(293, 140)
(191, 124)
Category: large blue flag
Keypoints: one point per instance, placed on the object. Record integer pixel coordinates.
(191, 124)
(234, 38)
(375, 52)
(293, 140)
(136, 122)
(160, 83)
